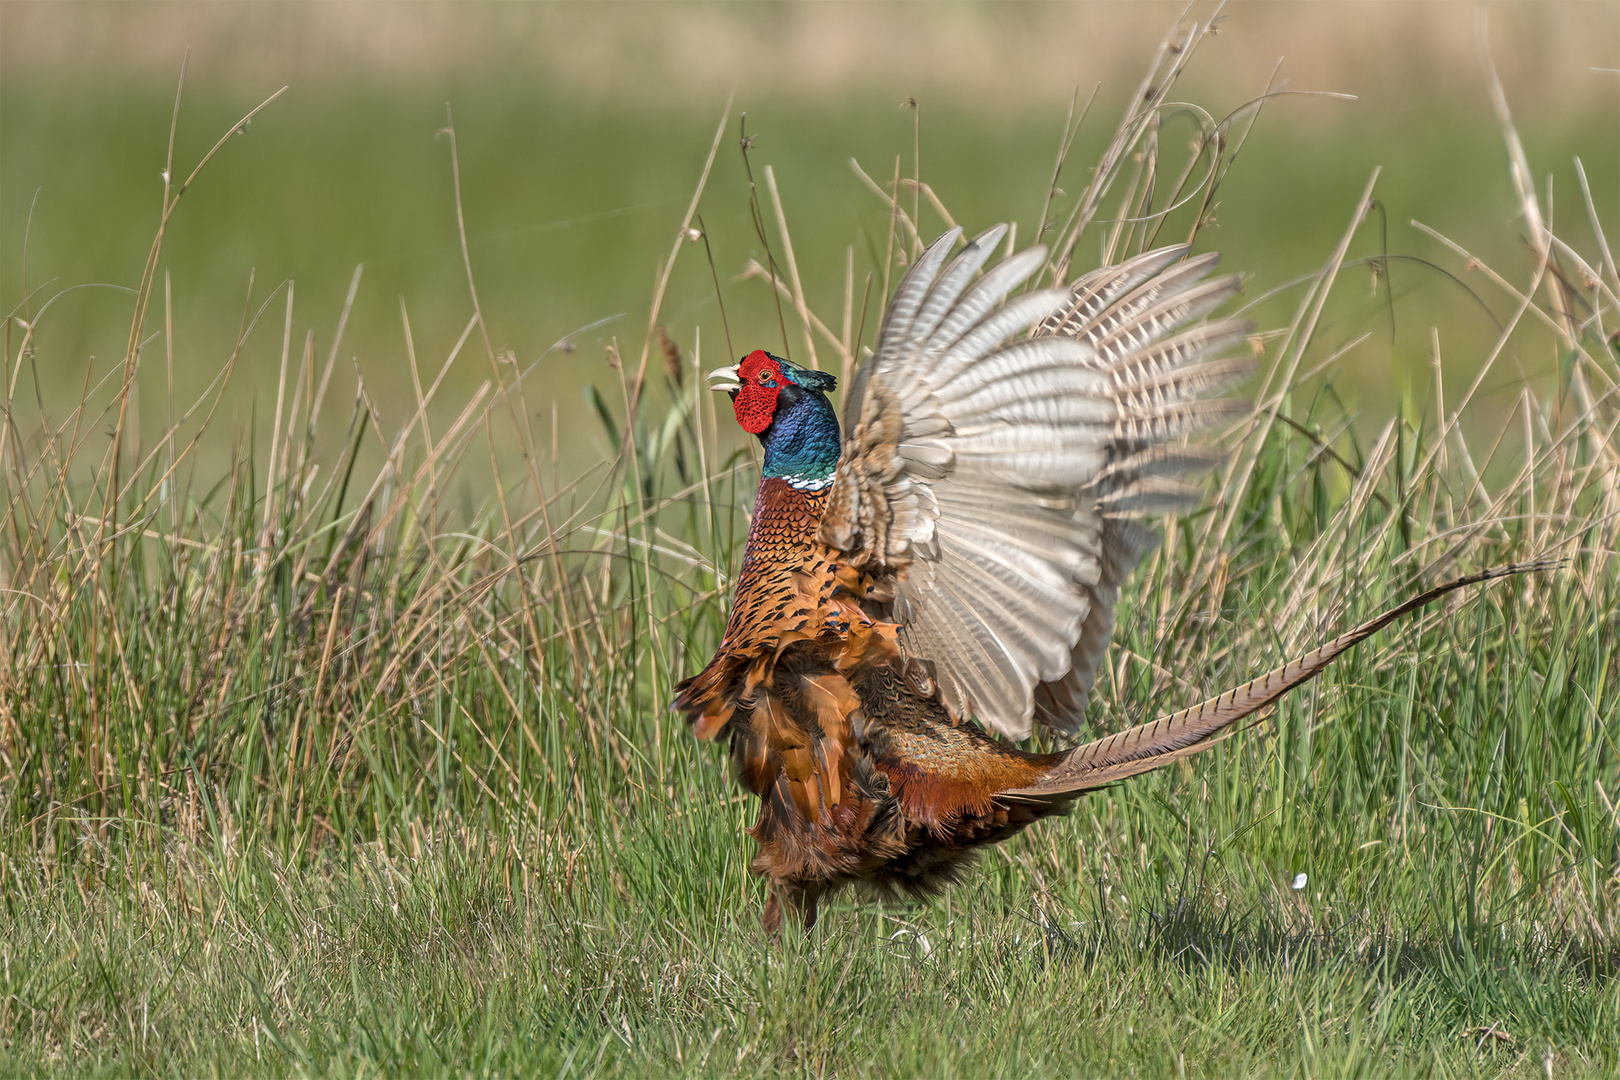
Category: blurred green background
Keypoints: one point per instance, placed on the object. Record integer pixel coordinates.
(583, 129)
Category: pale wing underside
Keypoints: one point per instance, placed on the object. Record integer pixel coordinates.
(993, 486)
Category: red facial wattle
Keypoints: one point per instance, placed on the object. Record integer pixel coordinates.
(755, 403)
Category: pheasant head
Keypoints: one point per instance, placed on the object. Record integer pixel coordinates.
(786, 406)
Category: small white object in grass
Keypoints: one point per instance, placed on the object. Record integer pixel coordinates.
(1299, 882)
(918, 940)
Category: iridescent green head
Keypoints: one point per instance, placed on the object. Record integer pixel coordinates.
(787, 407)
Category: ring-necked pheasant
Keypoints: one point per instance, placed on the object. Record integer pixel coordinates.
(951, 565)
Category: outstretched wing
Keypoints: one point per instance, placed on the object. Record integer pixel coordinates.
(991, 487)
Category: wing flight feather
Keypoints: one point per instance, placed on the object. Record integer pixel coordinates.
(990, 482)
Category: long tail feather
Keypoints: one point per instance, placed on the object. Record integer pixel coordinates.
(1170, 738)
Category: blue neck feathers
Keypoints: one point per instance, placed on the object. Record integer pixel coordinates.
(802, 442)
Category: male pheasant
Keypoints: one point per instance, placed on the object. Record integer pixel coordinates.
(952, 564)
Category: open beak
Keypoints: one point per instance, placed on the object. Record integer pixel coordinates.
(725, 380)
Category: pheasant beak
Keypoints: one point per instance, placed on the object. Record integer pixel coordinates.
(729, 381)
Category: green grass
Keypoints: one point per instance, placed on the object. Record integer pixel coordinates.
(570, 206)
(345, 750)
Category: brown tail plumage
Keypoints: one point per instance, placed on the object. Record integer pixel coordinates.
(1170, 738)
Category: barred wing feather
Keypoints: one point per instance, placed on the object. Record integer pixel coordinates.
(991, 482)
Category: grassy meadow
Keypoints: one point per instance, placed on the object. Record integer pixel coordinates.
(339, 608)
